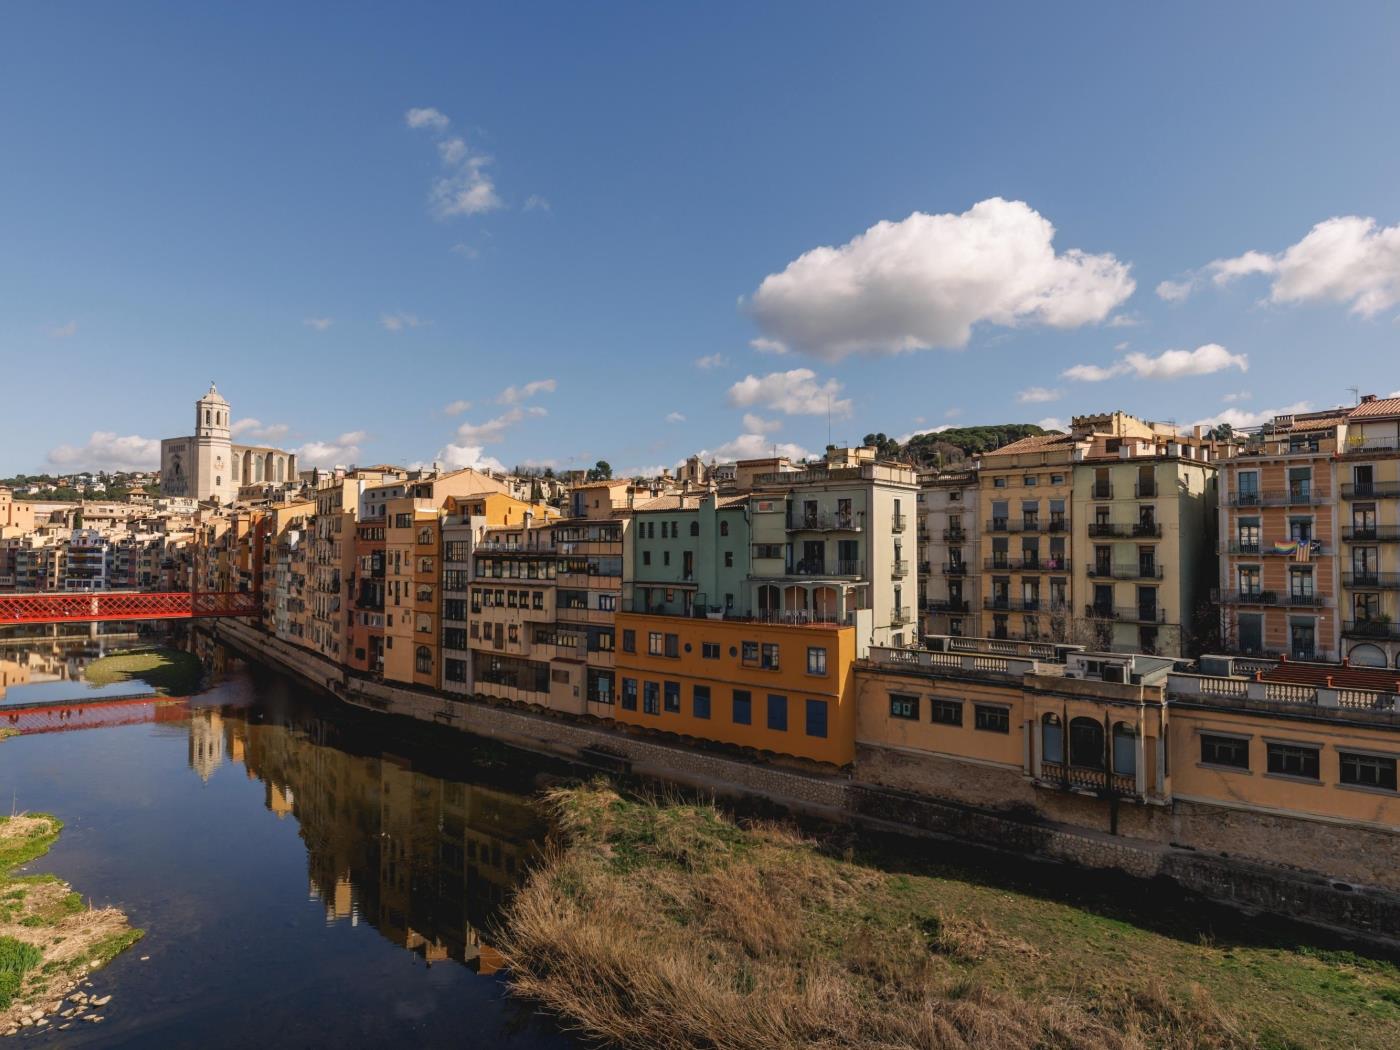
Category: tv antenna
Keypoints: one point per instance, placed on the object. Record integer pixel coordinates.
(1355, 394)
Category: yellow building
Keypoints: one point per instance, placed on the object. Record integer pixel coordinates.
(778, 688)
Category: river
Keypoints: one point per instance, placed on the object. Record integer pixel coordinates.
(307, 875)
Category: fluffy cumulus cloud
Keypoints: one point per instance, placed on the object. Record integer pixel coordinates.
(465, 186)
(1235, 396)
(256, 430)
(514, 394)
(106, 450)
(1175, 291)
(1037, 395)
(1242, 420)
(904, 439)
(675, 417)
(344, 451)
(1052, 423)
(493, 431)
(758, 425)
(768, 346)
(796, 392)
(754, 446)
(456, 457)
(455, 408)
(925, 281)
(1349, 259)
(1169, 364)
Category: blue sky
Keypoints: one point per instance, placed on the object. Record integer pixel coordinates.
(614, 202)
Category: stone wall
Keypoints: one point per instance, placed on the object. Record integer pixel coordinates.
(1220, 853)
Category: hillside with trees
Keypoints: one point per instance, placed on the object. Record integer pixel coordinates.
(950, 447)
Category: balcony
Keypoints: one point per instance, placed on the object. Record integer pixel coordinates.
(897, 522)
(1026, 525)
(819, 568)
(1027, 564)
(1270, 598)
(1145, 490)
(1127, 613)
(955, 568)
(1125, 572)
(1371, 490)
(899, 567)
(1121, 531)
(1101, 490)
(1376, 630)
(924, 568)
(901, 615)
(954, 536)
(1015, 605)
(948, 605)
(1371, 534)
(1381, 581)
(1300, 495)
(827, 523)
(1082, 778)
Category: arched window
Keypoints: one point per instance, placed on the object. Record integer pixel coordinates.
(724, 528)
(207, 419)
(1086, 743)
(695, 528)
(423, 660)
(1366, 656)
(1052, 739)
(1124, 749)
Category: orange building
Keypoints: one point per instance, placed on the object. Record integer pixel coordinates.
(780, 688)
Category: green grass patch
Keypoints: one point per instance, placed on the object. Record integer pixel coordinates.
(170, 672)
(666, 925)
(107, 949)
(16, 959)
(38, 831)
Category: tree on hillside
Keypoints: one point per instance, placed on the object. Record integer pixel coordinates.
(885, 447)
(600, 471)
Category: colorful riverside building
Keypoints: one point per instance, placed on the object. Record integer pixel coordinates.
(949, 545)
(1100, 536)
(1310, 537)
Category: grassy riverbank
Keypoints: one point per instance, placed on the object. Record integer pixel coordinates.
(170, 672)
(49, 938)
(668, 926)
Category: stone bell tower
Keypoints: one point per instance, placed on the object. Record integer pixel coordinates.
(213, 449)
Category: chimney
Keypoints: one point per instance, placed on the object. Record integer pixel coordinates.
(1365, 398)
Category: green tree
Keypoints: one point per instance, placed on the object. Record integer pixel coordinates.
(602, 471)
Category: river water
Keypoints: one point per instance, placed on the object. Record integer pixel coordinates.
(307, 875)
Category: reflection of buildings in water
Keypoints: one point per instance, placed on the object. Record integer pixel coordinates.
(12, 672)
(426, 861)
(207, 745)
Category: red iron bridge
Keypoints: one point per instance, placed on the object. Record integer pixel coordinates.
(94, 606)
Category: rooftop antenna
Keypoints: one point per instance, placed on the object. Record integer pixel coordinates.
(828, 419)
(1355, 394)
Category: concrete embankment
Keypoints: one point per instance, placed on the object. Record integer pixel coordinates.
(1310, 897)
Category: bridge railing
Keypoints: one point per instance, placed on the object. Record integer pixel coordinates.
(87, 607)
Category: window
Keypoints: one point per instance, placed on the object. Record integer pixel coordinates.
(1052, 739)
(646, 557)
(673, 697)
(665, 557)
(904, 706)
(629, 694)
(724, 528)
(816, 660)
(607, 603)
(673, 646)
(992, 719)
(651, 698)
(777, 712)
(750, 652)
(816, 719)
(1229, 751)
(654, 643)
(998, 483)
(1029, 480)
(770, 656)
(1294, 760)
(1057, 479)
(729, 559)
(1086, 743)
(743, 707)
(423, 660)
(945, 712)
(695, 528)
(454, 670)
(709, 650)
(1124, 750)
(700, 701)
(1371, 771)
(629, 641)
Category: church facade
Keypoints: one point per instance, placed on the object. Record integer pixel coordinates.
(208, 466)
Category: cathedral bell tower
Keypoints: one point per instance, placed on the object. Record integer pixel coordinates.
(213, 453)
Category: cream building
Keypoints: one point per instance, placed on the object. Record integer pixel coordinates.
(209, 466)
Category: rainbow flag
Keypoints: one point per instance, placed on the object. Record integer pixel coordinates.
(1286, 547)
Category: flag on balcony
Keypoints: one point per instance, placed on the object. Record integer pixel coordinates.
(1286, 547)
(1306, 549)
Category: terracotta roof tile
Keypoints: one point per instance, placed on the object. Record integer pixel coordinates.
(1034, 443)
(1384, 406)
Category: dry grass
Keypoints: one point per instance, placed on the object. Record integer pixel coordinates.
(50, 937)
(668, 927)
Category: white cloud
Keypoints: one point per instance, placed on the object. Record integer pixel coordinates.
(1348, 259)
(1175, 291)
(320, 324)
(904, 439)
(259, 431)
(795, 392)
(106, 450)
(1037, 395)
(1239, 395)
(1169, 364)
(342, 452)
(513, 394)
(398, 322)
(768, 346)
(756, 424)
(535, 202)
(455, 408)
(754, 446)
(493, 431)
(653, 471)
(1051, 423)
(1123, 321)
(457, 457)
(426, 117)
(64, 331)
(466, 188)
(711, 361)
(674, 417)
(927, 280)
(1242, 420)
(464, 249)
